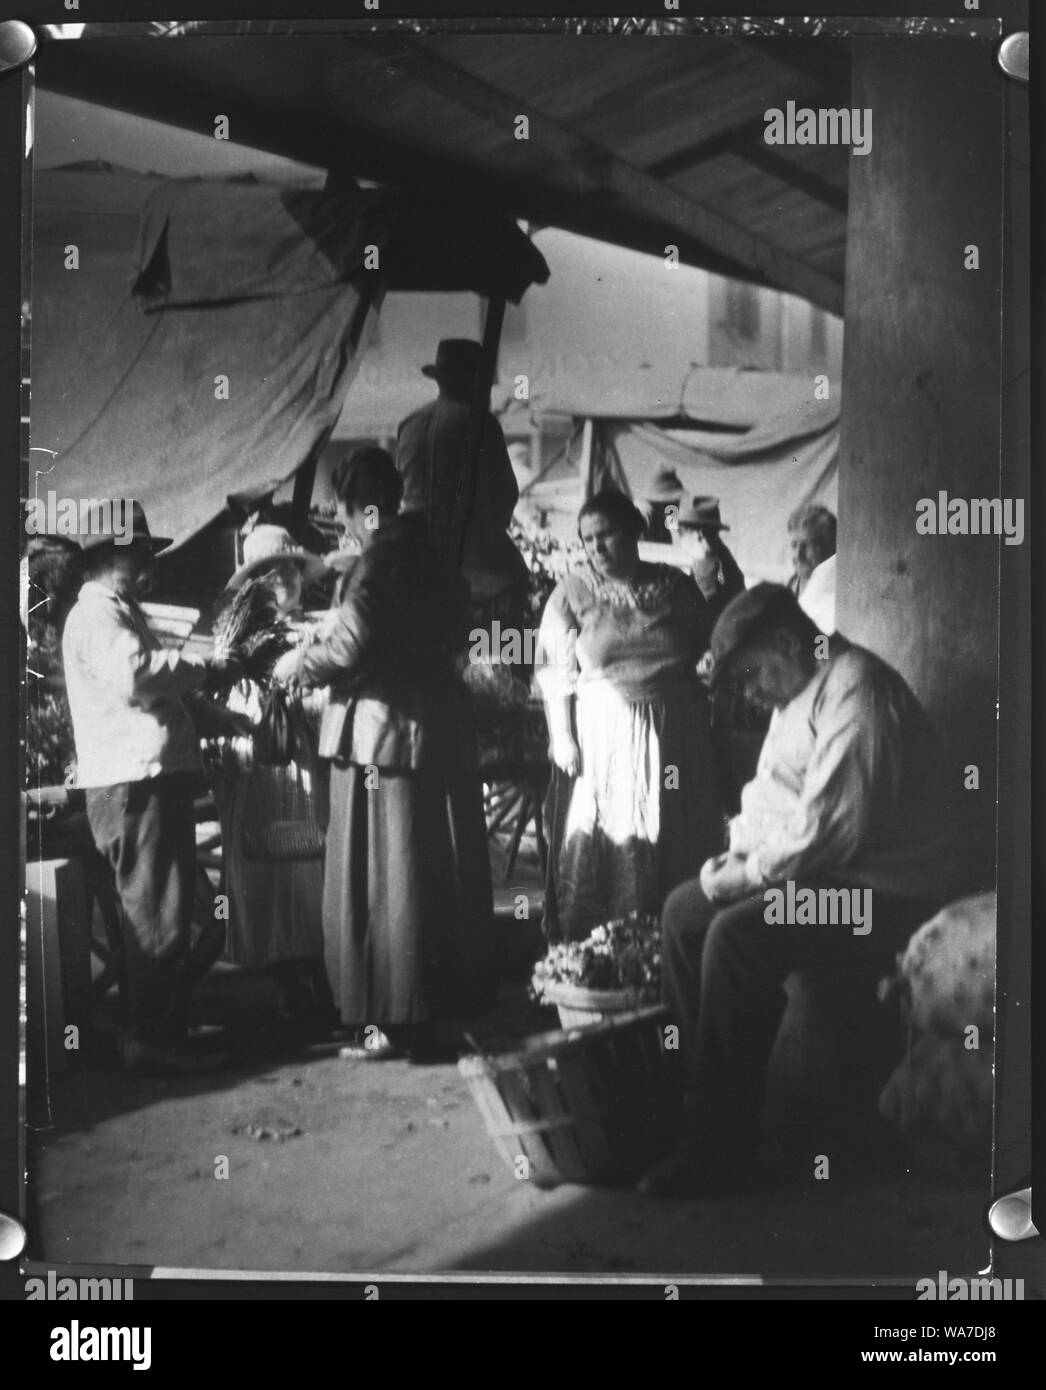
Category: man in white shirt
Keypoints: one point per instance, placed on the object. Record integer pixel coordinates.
(818, 597)
(137, 755)
(844, 844)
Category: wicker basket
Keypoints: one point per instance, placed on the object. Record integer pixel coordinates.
(594, 1104)
(578, 1007)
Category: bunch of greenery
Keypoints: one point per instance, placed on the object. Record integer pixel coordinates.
(624, 953)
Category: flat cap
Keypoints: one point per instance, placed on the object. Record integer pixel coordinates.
(748, 617)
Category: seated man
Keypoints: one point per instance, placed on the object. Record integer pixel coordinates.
(842, 847)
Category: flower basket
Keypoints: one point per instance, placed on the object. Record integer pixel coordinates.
(589, 1105)
(578, 1006)
(616, 968)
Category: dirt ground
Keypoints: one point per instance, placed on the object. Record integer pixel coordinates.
(341, 1166)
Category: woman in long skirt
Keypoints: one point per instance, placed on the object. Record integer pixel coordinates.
(272, 814)
(407, 908)
(629, 726)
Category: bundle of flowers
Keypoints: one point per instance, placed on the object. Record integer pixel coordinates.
(250, 631)
(622, 954)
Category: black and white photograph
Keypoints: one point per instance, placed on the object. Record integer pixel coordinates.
(522, 525)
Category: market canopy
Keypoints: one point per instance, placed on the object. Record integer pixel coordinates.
(767, 443)
(193, 338)
(647, 143)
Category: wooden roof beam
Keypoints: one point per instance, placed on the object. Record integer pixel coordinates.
(599, 171)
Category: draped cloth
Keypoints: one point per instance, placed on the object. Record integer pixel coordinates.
(194, 338)
(204, 343)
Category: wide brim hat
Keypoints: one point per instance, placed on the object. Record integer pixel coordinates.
(100, 530)
(746, 618)
(666, 487)
(267, 546)
(703, 513)
(455, 357)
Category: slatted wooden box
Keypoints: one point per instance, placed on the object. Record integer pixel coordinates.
(598, 1104)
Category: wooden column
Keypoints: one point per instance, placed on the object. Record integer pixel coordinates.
(481, 407)
(920, 389)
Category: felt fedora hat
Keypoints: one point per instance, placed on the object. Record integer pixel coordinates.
(270, 545)
(455, 357)
(703, 512)
(102, 530)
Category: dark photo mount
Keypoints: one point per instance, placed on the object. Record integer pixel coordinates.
(935, 377)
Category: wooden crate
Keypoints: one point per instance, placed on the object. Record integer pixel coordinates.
(172, 623)
(58, 973)
(588, 1105)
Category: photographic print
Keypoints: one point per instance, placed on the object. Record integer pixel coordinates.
(520, 535)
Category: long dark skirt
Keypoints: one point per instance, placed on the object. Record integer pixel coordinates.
(407, 901)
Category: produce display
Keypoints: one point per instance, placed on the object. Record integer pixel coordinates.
(622, 954)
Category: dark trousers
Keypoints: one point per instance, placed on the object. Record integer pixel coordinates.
(724, 969)
(147, 832)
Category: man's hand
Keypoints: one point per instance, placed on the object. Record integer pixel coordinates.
(724, 879)
(566, 755)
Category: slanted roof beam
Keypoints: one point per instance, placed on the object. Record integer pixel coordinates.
(600, 171)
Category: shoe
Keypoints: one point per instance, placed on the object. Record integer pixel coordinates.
(690, 1170)
(144, 1059)
(379, 1049)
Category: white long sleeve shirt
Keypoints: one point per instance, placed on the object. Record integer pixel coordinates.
(850, 784)
(125, 693)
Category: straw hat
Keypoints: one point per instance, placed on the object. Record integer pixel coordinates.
(269, 545)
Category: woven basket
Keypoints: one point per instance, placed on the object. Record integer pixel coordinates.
(592, 1105)
(578, 1007)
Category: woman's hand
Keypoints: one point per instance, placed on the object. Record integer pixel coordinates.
(565, 754)
(705, 667)
(285, 672)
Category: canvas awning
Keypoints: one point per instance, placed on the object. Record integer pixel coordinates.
(194, 337)
(770, 445)
(643, 142)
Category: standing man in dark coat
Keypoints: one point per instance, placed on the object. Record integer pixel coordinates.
(468, 518)
(698, 531)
